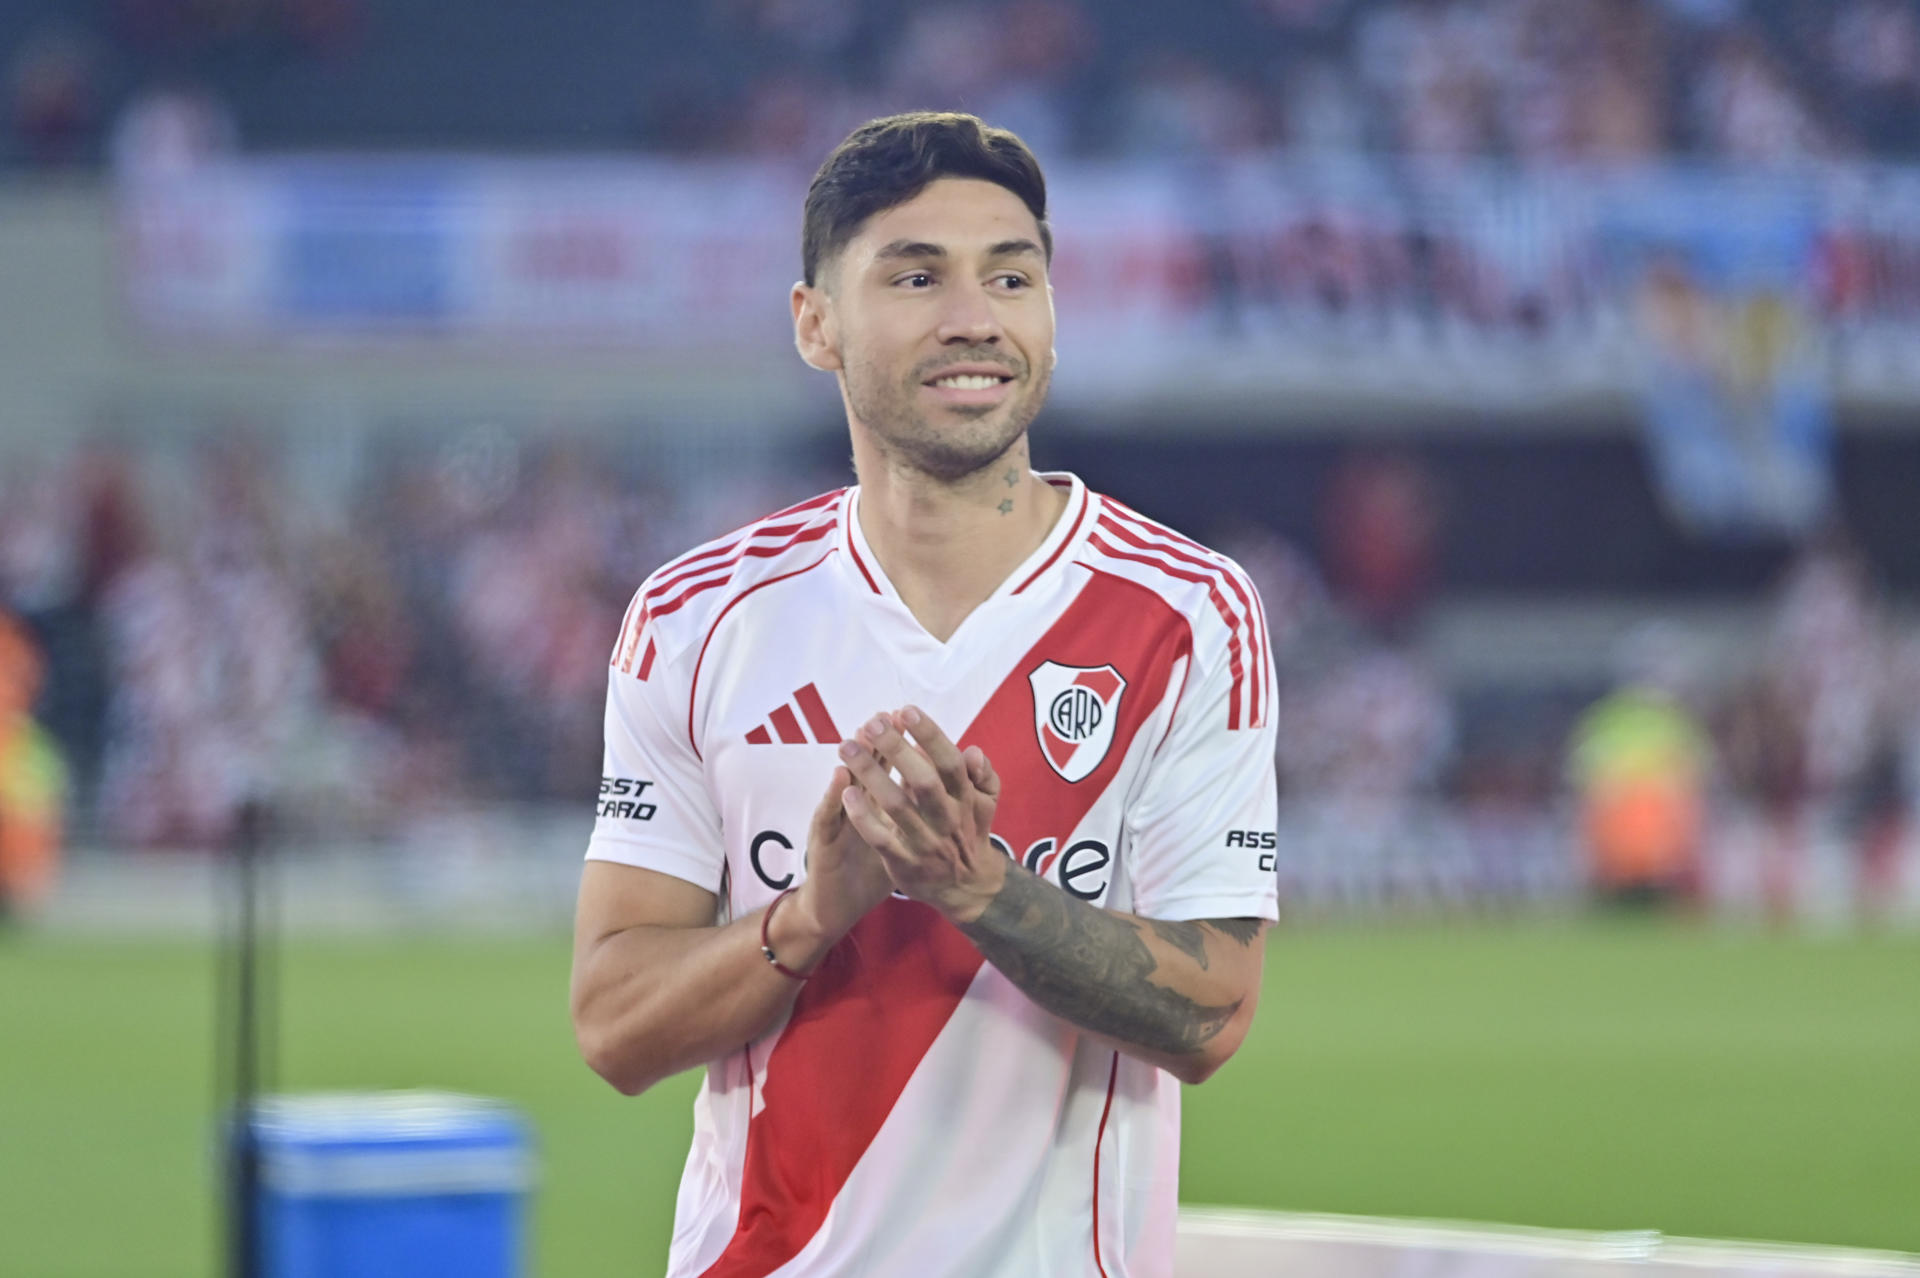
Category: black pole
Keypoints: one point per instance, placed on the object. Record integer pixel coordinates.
(246, 1024)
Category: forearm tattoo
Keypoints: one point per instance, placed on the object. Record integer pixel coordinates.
(1245, 931)
(1185, 937)
(1094, 968)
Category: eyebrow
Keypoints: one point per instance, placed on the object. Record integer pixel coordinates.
(919, 250)
(909, 250)
(1014, 248)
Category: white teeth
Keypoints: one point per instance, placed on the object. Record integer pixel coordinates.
(968, 381)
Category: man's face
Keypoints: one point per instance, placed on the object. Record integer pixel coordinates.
(942, 319)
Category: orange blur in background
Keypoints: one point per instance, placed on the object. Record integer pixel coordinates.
(32, 779)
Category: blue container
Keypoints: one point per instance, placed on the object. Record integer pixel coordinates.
(391, 1185)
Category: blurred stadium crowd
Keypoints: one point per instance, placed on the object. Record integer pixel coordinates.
(1535, 81)
(417, 619)
(219, 633)
(429, 628)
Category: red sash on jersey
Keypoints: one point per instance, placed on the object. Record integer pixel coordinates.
(862, 1024)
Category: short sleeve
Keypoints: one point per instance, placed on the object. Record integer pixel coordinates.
(1203, 831)
(654, 809)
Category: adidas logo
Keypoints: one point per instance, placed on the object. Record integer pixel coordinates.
(784, 727)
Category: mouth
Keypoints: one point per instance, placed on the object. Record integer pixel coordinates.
(970, 386)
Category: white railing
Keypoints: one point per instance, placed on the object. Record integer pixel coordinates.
(1217, 1242)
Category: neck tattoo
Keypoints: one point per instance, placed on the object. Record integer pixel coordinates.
(1012, 477)
(1006, 506)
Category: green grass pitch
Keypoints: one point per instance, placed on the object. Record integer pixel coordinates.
(1590, 1075)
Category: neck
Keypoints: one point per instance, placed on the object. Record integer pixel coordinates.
(947, 546)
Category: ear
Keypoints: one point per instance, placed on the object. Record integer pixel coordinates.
(814, 332)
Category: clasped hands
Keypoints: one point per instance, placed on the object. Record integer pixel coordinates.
(907, 811)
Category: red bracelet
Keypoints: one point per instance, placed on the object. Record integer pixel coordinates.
(766, 945)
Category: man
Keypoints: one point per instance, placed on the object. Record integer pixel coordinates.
(947, 969)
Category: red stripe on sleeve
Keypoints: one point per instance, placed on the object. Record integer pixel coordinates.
(731, 553)
(632, 640)
(620, 639)
(1236, 667)
(725, 571)
(864, 1021)
(1139, 532)
(1261, 645)
(685, 566)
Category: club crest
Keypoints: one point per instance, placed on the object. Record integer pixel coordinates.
(1075, 709)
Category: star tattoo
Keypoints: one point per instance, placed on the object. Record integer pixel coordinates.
(1006, 507)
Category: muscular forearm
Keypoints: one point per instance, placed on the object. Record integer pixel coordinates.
(1158, 990)
(649, 1002)
(1177, 994)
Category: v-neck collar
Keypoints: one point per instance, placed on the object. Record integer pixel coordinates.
(1048, 556)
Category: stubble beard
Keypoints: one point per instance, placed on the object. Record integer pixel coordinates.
(973, 437)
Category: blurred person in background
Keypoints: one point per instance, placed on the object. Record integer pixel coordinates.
(1890, 818)
(215, 676)
(1639, 762)
(1429, 84)
(170, 131)
(32, 779)
(53, 97)
(1815, 733)
(1874, 46)
(530, 612)
(1748, 109)
(1380, 524)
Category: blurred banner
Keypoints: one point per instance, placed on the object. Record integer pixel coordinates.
(1737, 287)
(1731, 305)
(614, 253)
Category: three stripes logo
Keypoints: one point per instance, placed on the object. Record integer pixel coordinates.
(785, 727)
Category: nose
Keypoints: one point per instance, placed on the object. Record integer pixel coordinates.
(968, 317)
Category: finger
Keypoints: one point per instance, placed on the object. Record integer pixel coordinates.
(869, 771)
(985, 796)
(870, 823)
(940, 751)
(870, 776)
(827, 815)
(918, 780)
(980, 772)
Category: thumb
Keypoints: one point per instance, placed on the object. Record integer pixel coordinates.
(980, 772)
(829, 815)
(986, 785)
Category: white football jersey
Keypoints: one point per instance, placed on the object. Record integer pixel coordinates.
(916, 1113)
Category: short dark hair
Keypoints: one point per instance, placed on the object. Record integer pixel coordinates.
(886, 162)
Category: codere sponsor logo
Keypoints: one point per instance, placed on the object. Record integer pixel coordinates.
(1083, 868)
(754, 849)
(620, 798)
(776, 862)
